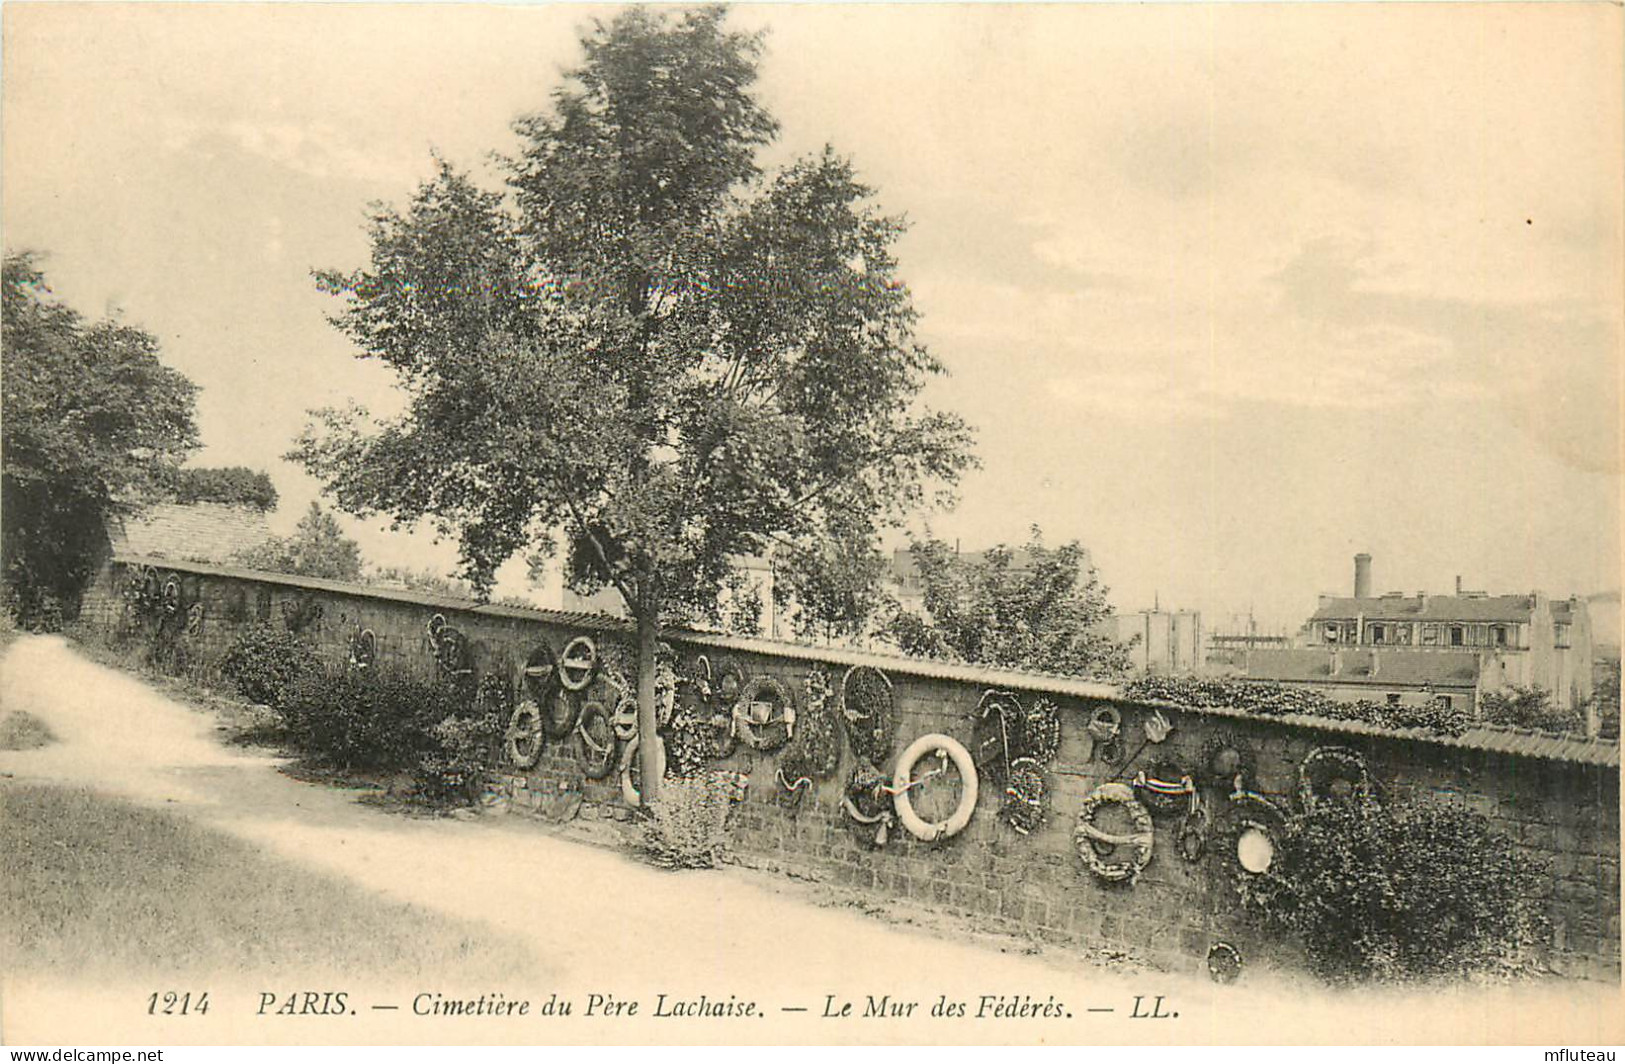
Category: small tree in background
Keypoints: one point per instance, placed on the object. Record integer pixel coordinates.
(93, 426)
(421, 579)
(1044, 613)
(644, 343)
(318, 547)
(1529, 707)
(832, 593)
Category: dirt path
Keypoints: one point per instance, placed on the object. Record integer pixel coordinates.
(602, 923)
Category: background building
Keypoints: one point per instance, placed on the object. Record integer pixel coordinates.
(1524, 640)
(1161, 642)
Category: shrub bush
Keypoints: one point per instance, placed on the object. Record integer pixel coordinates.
(688, 826)
(359, 722)
(461, 751)
(265, 660)
(1427, 891)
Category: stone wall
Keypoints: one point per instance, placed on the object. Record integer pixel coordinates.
(1562, 805)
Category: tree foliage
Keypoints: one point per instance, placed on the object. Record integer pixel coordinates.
(318, 547)
(641, 341)
(1529, 707)
(833, 591)
(1037, 608)
(231, 485)
(93, 425)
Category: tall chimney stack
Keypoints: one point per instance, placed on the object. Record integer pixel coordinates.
(1458, 585)
(1362, 575)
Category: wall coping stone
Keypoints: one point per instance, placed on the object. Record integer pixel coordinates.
(1489, 738)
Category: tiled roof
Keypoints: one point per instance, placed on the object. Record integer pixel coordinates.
(1435, 608)
(1482, 737)
(1378, 668)
(202, 531)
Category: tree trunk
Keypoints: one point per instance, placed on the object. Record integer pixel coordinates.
(649, 758)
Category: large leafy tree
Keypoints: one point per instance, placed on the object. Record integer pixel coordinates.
(1036, 608)
(94, 425)
(642, 342)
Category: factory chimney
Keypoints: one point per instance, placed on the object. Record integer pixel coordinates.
(1362, 575)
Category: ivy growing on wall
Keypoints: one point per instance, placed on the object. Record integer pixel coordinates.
(1266, 699)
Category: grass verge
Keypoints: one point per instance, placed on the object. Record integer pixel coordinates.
(104, 888)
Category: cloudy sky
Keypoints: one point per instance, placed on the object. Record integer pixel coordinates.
(1230, 292)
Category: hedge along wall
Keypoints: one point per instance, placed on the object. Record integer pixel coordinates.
(1564, 810)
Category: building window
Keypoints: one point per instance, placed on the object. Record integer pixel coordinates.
(1332, 632)
(1378, 634)
(1498, 635)
(1393, 700)
(1562, 636)
(1403, 634)
(1458, 636)
(1430, 635)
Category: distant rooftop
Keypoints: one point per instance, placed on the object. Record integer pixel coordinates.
(200, 531)
(1428, 608)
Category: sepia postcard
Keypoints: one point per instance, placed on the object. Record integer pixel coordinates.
(802, 524)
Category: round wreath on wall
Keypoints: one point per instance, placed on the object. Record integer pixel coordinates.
(1226, 760)
(1041, 731)
(624, 718)
(495, 696)
(870, 717)
(915, 790)
(559, 714)
(541, 674)
(632, 770)
(1193, 831)
(729, 681)
(1224, 962)
(363, 648)
(765, 715)
(1257, 827)
(815, 752)
(454, 658)
(1332, 774)
(1025, 792)
(596, 738)
(689, 742)
(523, 738)
(578, 663)
(1165, 788)
(1114, 852)
(998, 736)
(866, 800)
(170, 596)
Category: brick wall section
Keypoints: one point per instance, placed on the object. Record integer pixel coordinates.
(1035, 885)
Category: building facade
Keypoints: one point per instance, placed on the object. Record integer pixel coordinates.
(1523, 640)
(1161, 642)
